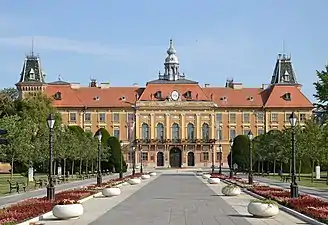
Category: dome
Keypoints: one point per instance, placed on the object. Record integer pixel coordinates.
(171, 59)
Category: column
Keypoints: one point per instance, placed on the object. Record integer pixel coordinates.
(167, 126)
(198, 127)
(183, 126)
(213, 126)
(136, 126)
(152, 126)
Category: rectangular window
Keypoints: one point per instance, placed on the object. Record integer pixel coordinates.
(205, 156)
(274, 117)
(87, 117)
(302, 117)
(232, 133)
(219, 133)
(102, 117)
(116, 117)
(246, 118)
(130, 117)
(232, 117)
(72, 117)
(144, 156)
(219, 117)
(260, 117)
(260, 131)
(117, 134)
(287, 115)
(246, 131)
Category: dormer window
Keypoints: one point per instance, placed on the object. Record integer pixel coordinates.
(224, 98)
(287, 96)
(57, 96)
(123, 98)
(96, 98)
(158, 95)
(32, 74)
(250, 98)
(188, 95)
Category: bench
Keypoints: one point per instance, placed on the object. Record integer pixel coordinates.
(38, 182)
(16, 186)
(285, 178)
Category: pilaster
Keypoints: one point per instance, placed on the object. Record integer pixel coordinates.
(152, 126)
(212, 126)
(167, 126)
(183, 125)
(137, 126)
(198, 128)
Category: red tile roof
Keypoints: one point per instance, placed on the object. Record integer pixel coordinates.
(107, 97)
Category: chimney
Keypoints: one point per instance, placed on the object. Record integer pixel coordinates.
(237, 85)
(93, 83)
(135, 84)
(104, 85)
(207, 85)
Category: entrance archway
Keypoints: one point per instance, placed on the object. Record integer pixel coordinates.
(191, 159)
(175, 157)
(160, 159)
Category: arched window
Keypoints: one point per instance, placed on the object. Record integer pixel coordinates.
(160, 131)
(145, 131)
(190, 132)
(205, 132)
(175, 131)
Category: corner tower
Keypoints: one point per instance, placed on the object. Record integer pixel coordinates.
(32, 77)
(283, 72)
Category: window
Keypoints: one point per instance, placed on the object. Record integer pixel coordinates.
(205, 156)
(72, 117)
(145, 131)
(219, 156)
(116, 117)
(130, 131)
(219, 117)
(87, 117)
(232, 133)
(219, 133)
(260, 131)
(232, 117)
(190, 131)
(246, 118)
(260, 117)
(144, 156)
(274, 117)
(117, 133)
(131, 156)
(287, 115)
(160, 131)
(102, 117)
(246, 131)
(302, 117)
(205, 132)
(175, 131)
(130, 117)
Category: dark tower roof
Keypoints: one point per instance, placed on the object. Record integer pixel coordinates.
(283, 72)
(32, 71)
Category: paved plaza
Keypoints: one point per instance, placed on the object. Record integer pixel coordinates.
(173, 198)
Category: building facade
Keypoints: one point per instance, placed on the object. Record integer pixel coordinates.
(173, 121)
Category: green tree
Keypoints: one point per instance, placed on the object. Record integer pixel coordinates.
(321, 87)
(240, 152)
(8, 98)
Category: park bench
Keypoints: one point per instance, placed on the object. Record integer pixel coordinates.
(38, 182)
(16, 186)
(284, 178)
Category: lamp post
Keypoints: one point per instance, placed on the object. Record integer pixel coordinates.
(99, 177)
(250, 173)
(220, 159)
(134, 160)
(51, 186)
(212, 158)
(293, 185)
(231, 166)
(141, 161)
(121, 161)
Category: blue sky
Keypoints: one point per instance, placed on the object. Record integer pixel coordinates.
(124, 42)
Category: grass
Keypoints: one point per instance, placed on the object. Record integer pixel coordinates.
(305, 180)
(4, 185)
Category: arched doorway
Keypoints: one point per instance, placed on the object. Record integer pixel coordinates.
(191, 159)
(160, 159)
(175, 157)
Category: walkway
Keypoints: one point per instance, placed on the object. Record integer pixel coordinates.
(173, 199)
(7, 200)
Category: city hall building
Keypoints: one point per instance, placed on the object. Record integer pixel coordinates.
(173, 121)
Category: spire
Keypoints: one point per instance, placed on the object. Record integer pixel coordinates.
(32, 71)
(283, 72)
(171, 65)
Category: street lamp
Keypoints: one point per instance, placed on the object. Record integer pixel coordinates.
(99, 177)
(51, 186)
(231, 166)
(220, 155)
(121, 163)
(212, 158)
(250, 174)
(134, 160)
(293, 185)
(141, 161)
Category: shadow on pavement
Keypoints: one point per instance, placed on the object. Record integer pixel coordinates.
(241, 215)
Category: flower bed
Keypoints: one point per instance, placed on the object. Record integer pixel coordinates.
(305, 204)
(34, 207)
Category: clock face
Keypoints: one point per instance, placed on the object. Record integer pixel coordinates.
(175, 95)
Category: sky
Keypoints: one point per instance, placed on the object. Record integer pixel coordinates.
(125, 42)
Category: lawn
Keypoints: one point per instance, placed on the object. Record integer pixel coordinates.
(306, 180)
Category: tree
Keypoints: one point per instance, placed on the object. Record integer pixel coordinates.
(240, 152)
(321, 87)
(8, 97)
(117, 156)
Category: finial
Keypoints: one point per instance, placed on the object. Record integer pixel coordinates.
(59, 77)
(32, 52)
(171, 42)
